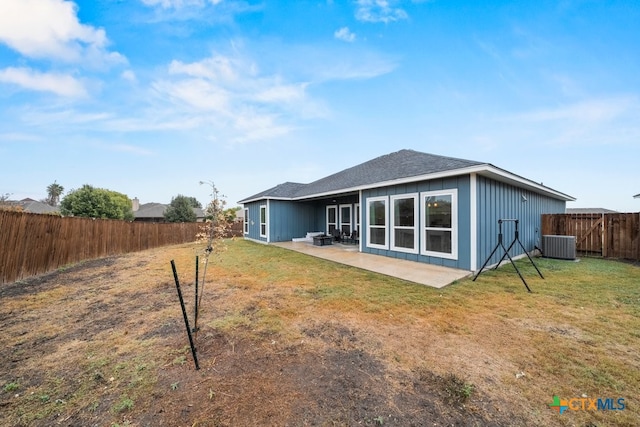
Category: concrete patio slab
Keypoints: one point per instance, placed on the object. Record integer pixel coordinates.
(424, 274)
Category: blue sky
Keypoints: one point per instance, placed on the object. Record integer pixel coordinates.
(149, 97)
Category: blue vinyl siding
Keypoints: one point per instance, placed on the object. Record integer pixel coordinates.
(254, 220)
(496, 200)
(285, 220)
(290, 219)
(462, 184)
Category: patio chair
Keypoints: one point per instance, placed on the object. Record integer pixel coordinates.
(337, 235)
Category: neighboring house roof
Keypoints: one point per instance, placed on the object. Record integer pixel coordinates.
(395, 168)
(33, 206)
(150, 210)
(156, 210)
(589, 211)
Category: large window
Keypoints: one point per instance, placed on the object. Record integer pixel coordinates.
(404, 223)
(377, 213)
(440, 223)
(246, 221)
(263, 221)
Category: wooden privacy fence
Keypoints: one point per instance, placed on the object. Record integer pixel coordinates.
(610, 235)
(32, 244)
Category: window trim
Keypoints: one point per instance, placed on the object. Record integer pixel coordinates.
(327, 223)
(416, 223)
(453, 192)
(246, 221)
(266, 221)
(340, 219)
(370, 200)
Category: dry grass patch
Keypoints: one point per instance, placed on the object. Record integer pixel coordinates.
(287, 339)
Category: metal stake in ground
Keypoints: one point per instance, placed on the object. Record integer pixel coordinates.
(195, 321)
(184, 314)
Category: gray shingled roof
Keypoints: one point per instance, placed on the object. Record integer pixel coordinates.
(33, 206)
(286, 190)
(156, 210)
(589, 211)
(398, 165)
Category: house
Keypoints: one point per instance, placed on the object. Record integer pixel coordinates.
(154, 212)
(33, 206)
(410, 205)
(597, 211)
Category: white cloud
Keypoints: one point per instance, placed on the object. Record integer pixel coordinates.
(344, 34)
(256, 127)
(225, 84)
(215, 68)
(230, 95)
(129, 75)
(50, 29)
(60, 84)
(591, 111)
(199, 94)
(379, 11)
(18, 136)
(178, 4)
(128, 148)
(592, 122)
(286, 93)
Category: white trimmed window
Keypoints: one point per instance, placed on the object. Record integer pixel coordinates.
(246, 221)
(439, 223)
(357, 217)
(377, 220)
(404, 223)
(263, 221)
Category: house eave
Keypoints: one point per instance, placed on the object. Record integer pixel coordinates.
(502, 175)
(257, 199)
(486, 170)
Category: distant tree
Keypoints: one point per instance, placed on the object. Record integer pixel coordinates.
(230, 214)
(7, 205)
(54, 191)
(194, 202)
(92, 202)
(181, 209)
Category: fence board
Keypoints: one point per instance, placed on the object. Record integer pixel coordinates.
(32, 244)
(610, 235)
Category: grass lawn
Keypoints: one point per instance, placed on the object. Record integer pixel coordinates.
(288, 339)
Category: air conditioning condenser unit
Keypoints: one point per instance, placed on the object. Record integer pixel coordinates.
(561, 247)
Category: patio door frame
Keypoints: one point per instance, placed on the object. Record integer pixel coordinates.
(335, 223)
(341, 218)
